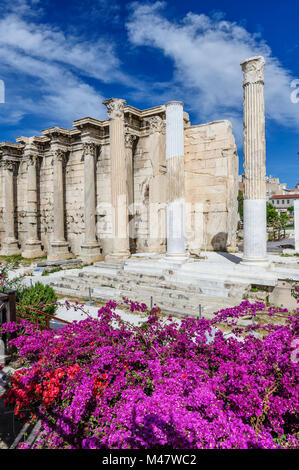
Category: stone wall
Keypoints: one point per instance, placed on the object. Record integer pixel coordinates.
(211, 181)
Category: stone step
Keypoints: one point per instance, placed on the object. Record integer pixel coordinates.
(167, 304)
(84, 282)
(94, 277)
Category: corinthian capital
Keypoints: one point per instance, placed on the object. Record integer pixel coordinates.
(89, 148)
(129, 139)
(59, 154)
(115, 108)
(32, 158)
(156, 124)
(253, 70)
(8, 164)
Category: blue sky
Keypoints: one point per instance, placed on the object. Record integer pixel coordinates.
(59, 60)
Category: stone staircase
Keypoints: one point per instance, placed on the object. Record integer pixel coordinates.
(174, 292)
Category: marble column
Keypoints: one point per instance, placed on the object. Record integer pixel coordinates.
(9, 243)
(129, 142)
(157, 192)
(32, 248)
(58, 249)
(254, 155)
(119, 196)
(175, 179)
(296, 223)
(90, 249)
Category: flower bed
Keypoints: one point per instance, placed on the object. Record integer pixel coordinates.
(103, 383)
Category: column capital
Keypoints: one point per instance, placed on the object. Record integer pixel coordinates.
(174, 103)
(115, 107)
(31, 158)
(8, 164)
(130, 137)
(253, 70)
(59, 154)
(89, 148)
(156, 124)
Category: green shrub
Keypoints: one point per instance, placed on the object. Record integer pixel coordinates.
(38, 297)
(8, 282)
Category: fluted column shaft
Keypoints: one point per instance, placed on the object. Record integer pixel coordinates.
(175, 178)
(254, 154)
(58, 245)
(89, 193)
(10, 244)
(90, 250)
(129, 142)
(32, 247)
(58, 228)
(119, 196)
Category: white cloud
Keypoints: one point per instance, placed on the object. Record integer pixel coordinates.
(206, 53)
(46, 71)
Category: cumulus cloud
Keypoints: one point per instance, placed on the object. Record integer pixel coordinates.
(206, 53)
(57, 64)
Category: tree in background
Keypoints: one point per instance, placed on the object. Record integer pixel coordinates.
(284, 220)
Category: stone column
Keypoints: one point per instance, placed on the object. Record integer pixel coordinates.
(90, 250)
(10, 243)
(129, 142)
(175, 179)
(254, 155)
(157, 192)
(58, 246)
(32, 247)
(119, 196)
(296, 223)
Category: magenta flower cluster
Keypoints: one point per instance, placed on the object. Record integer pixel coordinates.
(103, 383)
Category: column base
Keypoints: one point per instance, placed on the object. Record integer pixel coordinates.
(263, 263)
(91, 253)
(10, 247)
(177, 257)
(117, 255)
(59, 251)
(32, 249)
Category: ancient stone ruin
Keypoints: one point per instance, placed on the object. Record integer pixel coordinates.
(100, 190)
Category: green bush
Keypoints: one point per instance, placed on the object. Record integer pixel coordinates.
(8, 282)
(38, 297)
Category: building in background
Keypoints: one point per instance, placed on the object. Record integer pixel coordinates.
(282, 202)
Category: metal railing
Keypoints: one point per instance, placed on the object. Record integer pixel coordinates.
(34, 315)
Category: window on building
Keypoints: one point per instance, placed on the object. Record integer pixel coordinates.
(282, 201)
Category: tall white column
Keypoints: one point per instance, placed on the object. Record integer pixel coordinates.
(90, 250)
(254, 155)
(119, 196)
(58, 246)
(32, 247)
(296, 221)
(175, 179)
(10, 243)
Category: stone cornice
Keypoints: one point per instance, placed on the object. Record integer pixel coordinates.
(11, 150)
(89, 122)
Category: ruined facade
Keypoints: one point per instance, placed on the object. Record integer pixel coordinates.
(102, 188)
